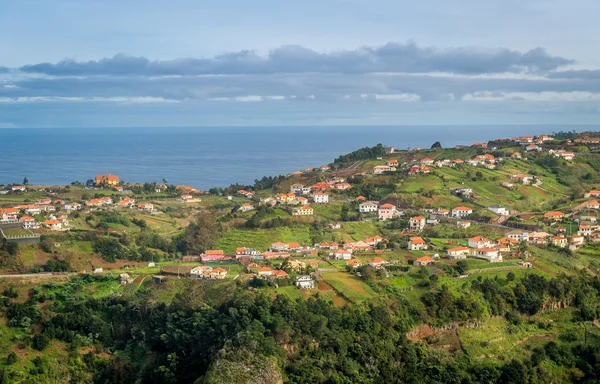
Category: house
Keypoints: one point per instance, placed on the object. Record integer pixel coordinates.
(576, 241)
(416, 223)
(559, 241)
(342, 186)
(325, 245)
(29, 222)
(538, 237)
(425, 260)
(489, 254)
(387, 211)
(392, 163)
(73, 206)
(518, 235)
(303, 211)
(246, 207)
(212, 255)
(554, 216)
(377, 262)
(98, 202)
(458, 252)
(516, 155)
(595, 237)
(198, 272)
(306, 190)
(158, 279)
(296, 188)
(427, 161)
(18, 188)
(279, 274)
(508, 185)
(320, 186)
(593, 193)
(186, 197)
(126, 202)
(54, 225)
(479, 145)
(305, 282)
(533, 147)
(125, 279)
(218, 273)
(463, 224)
(245, 252)
(8, 214)
(480, 242)
(106, 180)
(321, 198)
(44, 201)
(343, 254)
(358, 246)
(32, 209)
(325, 168)
(587, 216)
(146, 207)
(593, 204)
(354, 263)
(335, 226)
(521, 178)
(279, 246)
(443, 212)
(461, 212)
(373, 241)
(498, 210)
(368, 207)
(416, 243)
(379, 169)
(586, 230)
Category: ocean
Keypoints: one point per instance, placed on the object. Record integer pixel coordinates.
(206, 157)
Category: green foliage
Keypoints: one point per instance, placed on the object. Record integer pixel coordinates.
(361, 154)
(200, 235)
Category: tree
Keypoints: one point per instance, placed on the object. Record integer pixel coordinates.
(436, 145)
(164, 181)
(25, 181)
(11, 358)
(200, 235)
(461, 266)
(510, 276)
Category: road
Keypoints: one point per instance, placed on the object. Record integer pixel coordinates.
(43, 275)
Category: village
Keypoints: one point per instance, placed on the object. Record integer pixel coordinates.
(483, 229)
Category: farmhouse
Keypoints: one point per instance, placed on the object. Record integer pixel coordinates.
(554, 216)
(417, 243)
(425, 260)
(458, 252)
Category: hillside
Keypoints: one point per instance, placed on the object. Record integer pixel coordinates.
(444, 265)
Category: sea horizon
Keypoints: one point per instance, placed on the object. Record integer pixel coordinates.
(217, 156)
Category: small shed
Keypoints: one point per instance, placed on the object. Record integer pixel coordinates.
(159, 279)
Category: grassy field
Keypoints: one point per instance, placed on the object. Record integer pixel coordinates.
(262, 239)
(348, 286)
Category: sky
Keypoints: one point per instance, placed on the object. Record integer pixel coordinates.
(120, 63)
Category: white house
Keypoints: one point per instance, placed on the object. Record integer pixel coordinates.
(416, 223)
(321, 198)
(343, 254)
(461, 211)
(296, 188)
(72, 206)
(33, 209)
(489, 254)
(518, 235)
(498, 210)
(368, 207)
(29, 222)
(305, 282)
(246, 207)
(480, 242)
(458, 252)
(19, 188)
(417, 243)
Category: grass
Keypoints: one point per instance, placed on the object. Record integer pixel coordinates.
(356, 231)
(349, 286)
(262, 239)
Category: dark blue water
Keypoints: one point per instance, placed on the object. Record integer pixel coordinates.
(212, 156)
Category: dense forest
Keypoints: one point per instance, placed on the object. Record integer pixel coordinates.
(236, 336)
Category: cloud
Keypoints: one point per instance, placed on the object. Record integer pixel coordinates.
(389, 58)
(584, 74)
